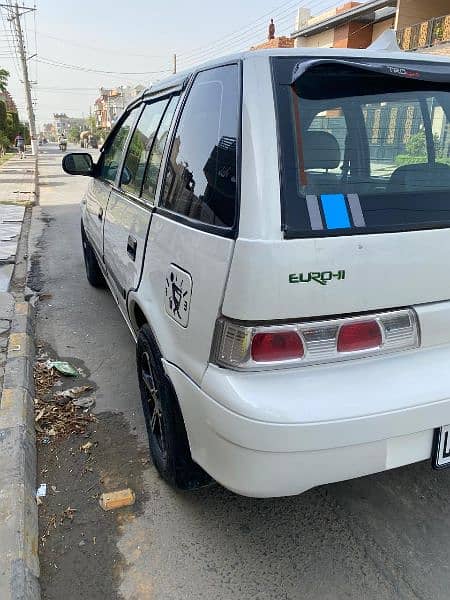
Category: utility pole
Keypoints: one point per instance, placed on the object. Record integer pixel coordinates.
(15, 17)
(174, 64)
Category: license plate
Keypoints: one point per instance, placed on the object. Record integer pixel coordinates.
(441, 447)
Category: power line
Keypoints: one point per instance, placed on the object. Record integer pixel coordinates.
(97, 48)
(284, 12)
(56, 63)
(248, 36)
(9, 36)
(250, 25)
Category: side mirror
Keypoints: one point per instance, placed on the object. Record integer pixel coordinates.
(78, 163)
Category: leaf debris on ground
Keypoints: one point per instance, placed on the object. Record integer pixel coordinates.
(55, 418)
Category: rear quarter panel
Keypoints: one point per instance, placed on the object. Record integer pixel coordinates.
(206, 259)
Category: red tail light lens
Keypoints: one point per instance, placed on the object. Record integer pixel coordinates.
(359, 336)
(277, 345)
(273, 346)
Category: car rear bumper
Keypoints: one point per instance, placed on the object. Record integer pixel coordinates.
(257, 454)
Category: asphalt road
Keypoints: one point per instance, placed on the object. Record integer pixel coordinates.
(383, 536)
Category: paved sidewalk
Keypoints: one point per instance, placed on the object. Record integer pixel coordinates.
(18, 187)
(19, 566)
(17, 181)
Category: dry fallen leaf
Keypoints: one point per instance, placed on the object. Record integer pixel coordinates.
(54, 418)
(86, 447)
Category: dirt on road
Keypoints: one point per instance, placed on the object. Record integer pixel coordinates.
(76, 536)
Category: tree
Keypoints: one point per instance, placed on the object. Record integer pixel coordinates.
(3, 118)
(417, 144)
(4, 143)
(73, 135)
(13, 125)
(3, 79)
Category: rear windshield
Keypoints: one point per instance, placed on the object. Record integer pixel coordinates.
(362, 151)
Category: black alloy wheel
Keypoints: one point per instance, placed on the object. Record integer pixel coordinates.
(168, 442)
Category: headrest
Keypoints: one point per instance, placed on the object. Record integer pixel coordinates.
(320, 150)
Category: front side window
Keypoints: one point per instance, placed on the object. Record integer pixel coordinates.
(111, 157)
(139, 147)
(363, 151)
(201, 176)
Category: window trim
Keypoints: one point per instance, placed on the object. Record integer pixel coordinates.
(110, 140)
(227, 232)
(161, 166)
(145, 102)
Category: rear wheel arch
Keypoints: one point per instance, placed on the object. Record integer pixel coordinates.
(176, 467)
(138, 320)
(138, 317)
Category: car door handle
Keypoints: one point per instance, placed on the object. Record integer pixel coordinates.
(100, 213)
(131, 247)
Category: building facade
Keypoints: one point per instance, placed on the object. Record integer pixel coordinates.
(420, 25)
(111, 103)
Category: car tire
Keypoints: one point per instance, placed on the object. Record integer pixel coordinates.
(93, 272)
(169, 446)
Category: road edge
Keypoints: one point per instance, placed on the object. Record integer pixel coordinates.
(19, 522)
(19, 526)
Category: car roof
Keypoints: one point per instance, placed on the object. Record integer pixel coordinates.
(254, 55)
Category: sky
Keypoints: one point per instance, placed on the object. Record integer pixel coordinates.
(130, 42)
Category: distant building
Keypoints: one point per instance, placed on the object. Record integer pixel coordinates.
(420, 24)
(352, 25)
(111, 103)
(273, 41)
(61, 122)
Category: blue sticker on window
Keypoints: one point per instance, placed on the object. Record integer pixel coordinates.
(335, 211)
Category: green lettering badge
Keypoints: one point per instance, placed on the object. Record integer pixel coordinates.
(322, 278)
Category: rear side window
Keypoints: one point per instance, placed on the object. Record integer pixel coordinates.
(363, 151)
(154, 161)
(111, 157)
(140, 145)
(201, 176)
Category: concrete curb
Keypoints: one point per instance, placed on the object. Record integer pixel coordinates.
(19, 533)
(19, 562)
(36, 179)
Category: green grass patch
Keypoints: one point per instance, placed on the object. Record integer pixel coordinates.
(408, 159)
(6, 157)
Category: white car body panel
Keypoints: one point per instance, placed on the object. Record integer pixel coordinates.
(381, 271)
(124, 218)
(206, 258)
(95, 203)
(263, 459)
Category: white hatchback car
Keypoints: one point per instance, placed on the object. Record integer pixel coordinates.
(273, 226)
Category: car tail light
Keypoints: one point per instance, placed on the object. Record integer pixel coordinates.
(364, 335)
(276, 345)
(257, 347)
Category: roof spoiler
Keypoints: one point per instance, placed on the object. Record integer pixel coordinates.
(436, 73)
(386, 42)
